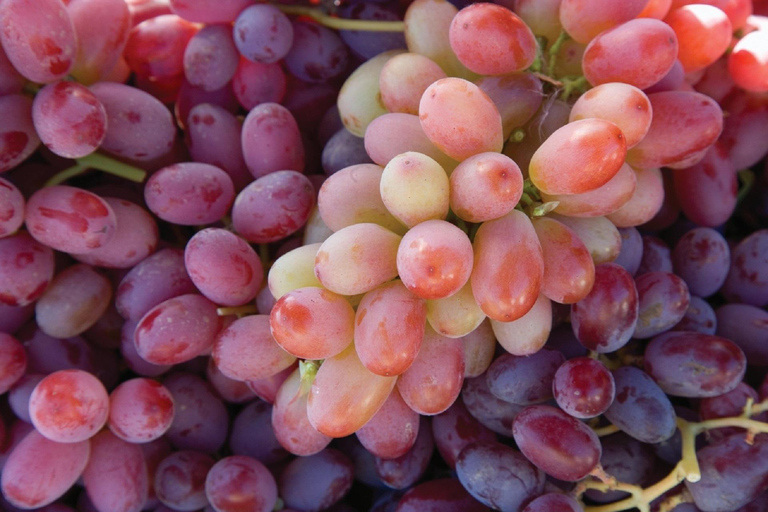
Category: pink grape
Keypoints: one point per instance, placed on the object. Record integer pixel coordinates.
(604, 200)
(239, 481)
(491, 40)
(255, 83)
(600, 235)
(13, 361)
(646, 201)
(210, 58)
(472, 110)
(26, 268)
(414, 188)
(290, 420)
(585, 19)
(583, 387)
(155, 47)
(69, 406)
(457, 315)
(392, 431)
(746, 63)
(180, 479)
(262, 33)
(11, 208)
(485, 187)
(140, 410)
(202, 11)
(704, 33)
(526, 335)
(18, 137)
(403, 80)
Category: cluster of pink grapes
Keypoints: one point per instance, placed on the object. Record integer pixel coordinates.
(386, 255)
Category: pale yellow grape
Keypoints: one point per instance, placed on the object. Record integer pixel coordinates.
(315, 230)
(457, 315)
(645, 202)
(479, 349)
(359, 100)
(600, 236)
(294, 269)
(357, 259)
(403, 80)
(527, 334)
(415, 188)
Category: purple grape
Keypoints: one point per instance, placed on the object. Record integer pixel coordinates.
(641, 409)
(262, 33)
(255, 83)
(317, 53)
(663, 301)
(455, 429)
(657, 256)
(179, 480)
(746, 326)
(583, 387)
(702, 258)
(628, 460)
(343, 150)
(264, 447)
(271, 140)
(553, 502)
(524, 380)
(693, 364)
(406, 470)
(366, 44)
(498, 415)
(238, 483)
(747, 280)
(318, 481)
(498, 475)
(631, 254)
(728, 405)
(210, 58)
(444, 494)
(699, 317)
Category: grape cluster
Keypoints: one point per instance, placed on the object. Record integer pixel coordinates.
(386, 256)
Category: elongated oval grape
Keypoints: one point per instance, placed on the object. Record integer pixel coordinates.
(745, 62)
(312, 323)
(471, 110)
(557, 443)
(524, 380)
(583, 387)
(415, 188)
(747, 280)
(704, 33)
(433, 382)
(403, 80)
(69, 406)
(641, 409)
(604, 200)
(18, 137)
(177, 330)
(256, 415)
(483, 469)
(605, 319)
(527, 334)
(508, 267)
(746, 326)
(388, 328)
(623, 104)
(317, 481)
(583, 20)
(102, 29)
(155, 47)
(210, 58)
(392, 431)
(694, 364)
(496, 414)
(238, 481)
(11, 208)
(26, 268)
(38, 471)
(639, 52)
(317, 53)
(294, 269)
(455, 429)
(702, 258)
(596, 149)
(201, 421)
(457, 315)
(290, 420)
(345, 395)
(357, 259)
(406, 470)
(70, 219)
(485, 187)
(271, 140)
(491, 40)
(663, 300)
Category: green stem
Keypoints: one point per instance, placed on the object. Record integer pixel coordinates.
(62, 176)
(341, 23)
(746, 182)
(102, 163)
(554, 50)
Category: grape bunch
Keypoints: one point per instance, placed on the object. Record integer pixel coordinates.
(384, 255)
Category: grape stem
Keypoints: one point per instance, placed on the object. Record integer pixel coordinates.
(341, 23)
(240, 311)
(102, 163)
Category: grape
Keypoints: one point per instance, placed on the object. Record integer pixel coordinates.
(508, 267)
(583, 387)
(542, 16)
(728, 405)
(116, 477)
(11, 81)
(479, 347)
(155, 279)
(455, 429)
(352, 196)
(732, 473)
(294, 269)
(290, 422)
(484, 469)
(524, 380)
(745, 124)
(471, 109)
(180, 480)
(13, 361)
(702, 258)
(392, 431)
(200, 421)
(699, 317)
(745, 62)
(136, 237)
(623, 104)
(312, 323)
(256, 416)
(491, 40)
(69, 406)
(367, 44)
(262, 33)
(255, 83)
(230, 390)
(663, 300)
(596, 150)
(155, 47)
(444, 494)
(639, 52)
(657, 256)
(517, 97)
(345, 395)
(498, 415)
(189, 193)
(404, 471)
(132, 358)
(414, 188)
(357, 259)
(343, 150)
(38, 471)
(646, 201)
(584, 20)
(403, 80)
(38, 38)
(316, 482)
(455, 316)
(202, 11)
(553, 502)
(605, 319)
(11, 208)
(70, 219)
(556, 443)
(140, 410)
(18, 137)
(745, 325)
(641, 409)
(485, 187)
(389, 326)
(433, 382)
(684, 124)
(210, 58)
(527, 334)
(139, 126)
(626, 459)
(747, 280)
(693, 364)
(317, 53)
(69, 119)
(26, 268)
(177, 330)
(703, 32)
(238, 482)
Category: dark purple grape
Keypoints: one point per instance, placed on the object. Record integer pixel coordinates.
(498, 476)
(489, 410)
(746, 326)
(456, 428)
(641, 409)
(692, 364)
(729, 405)
(557, 443)
(631, 253)
(404, 471)
(562, 338)
(264, 447)
(605, 319)
(747, 280)
(699, 317)
(342, 150)
(583, 387)
(663, 299)
(316, 482)
(553, 502)
(657, 257)
(367, 44)
(702, 258)
(442, 495)
(524, 380)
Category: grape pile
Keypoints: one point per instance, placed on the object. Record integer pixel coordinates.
(384, 256)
